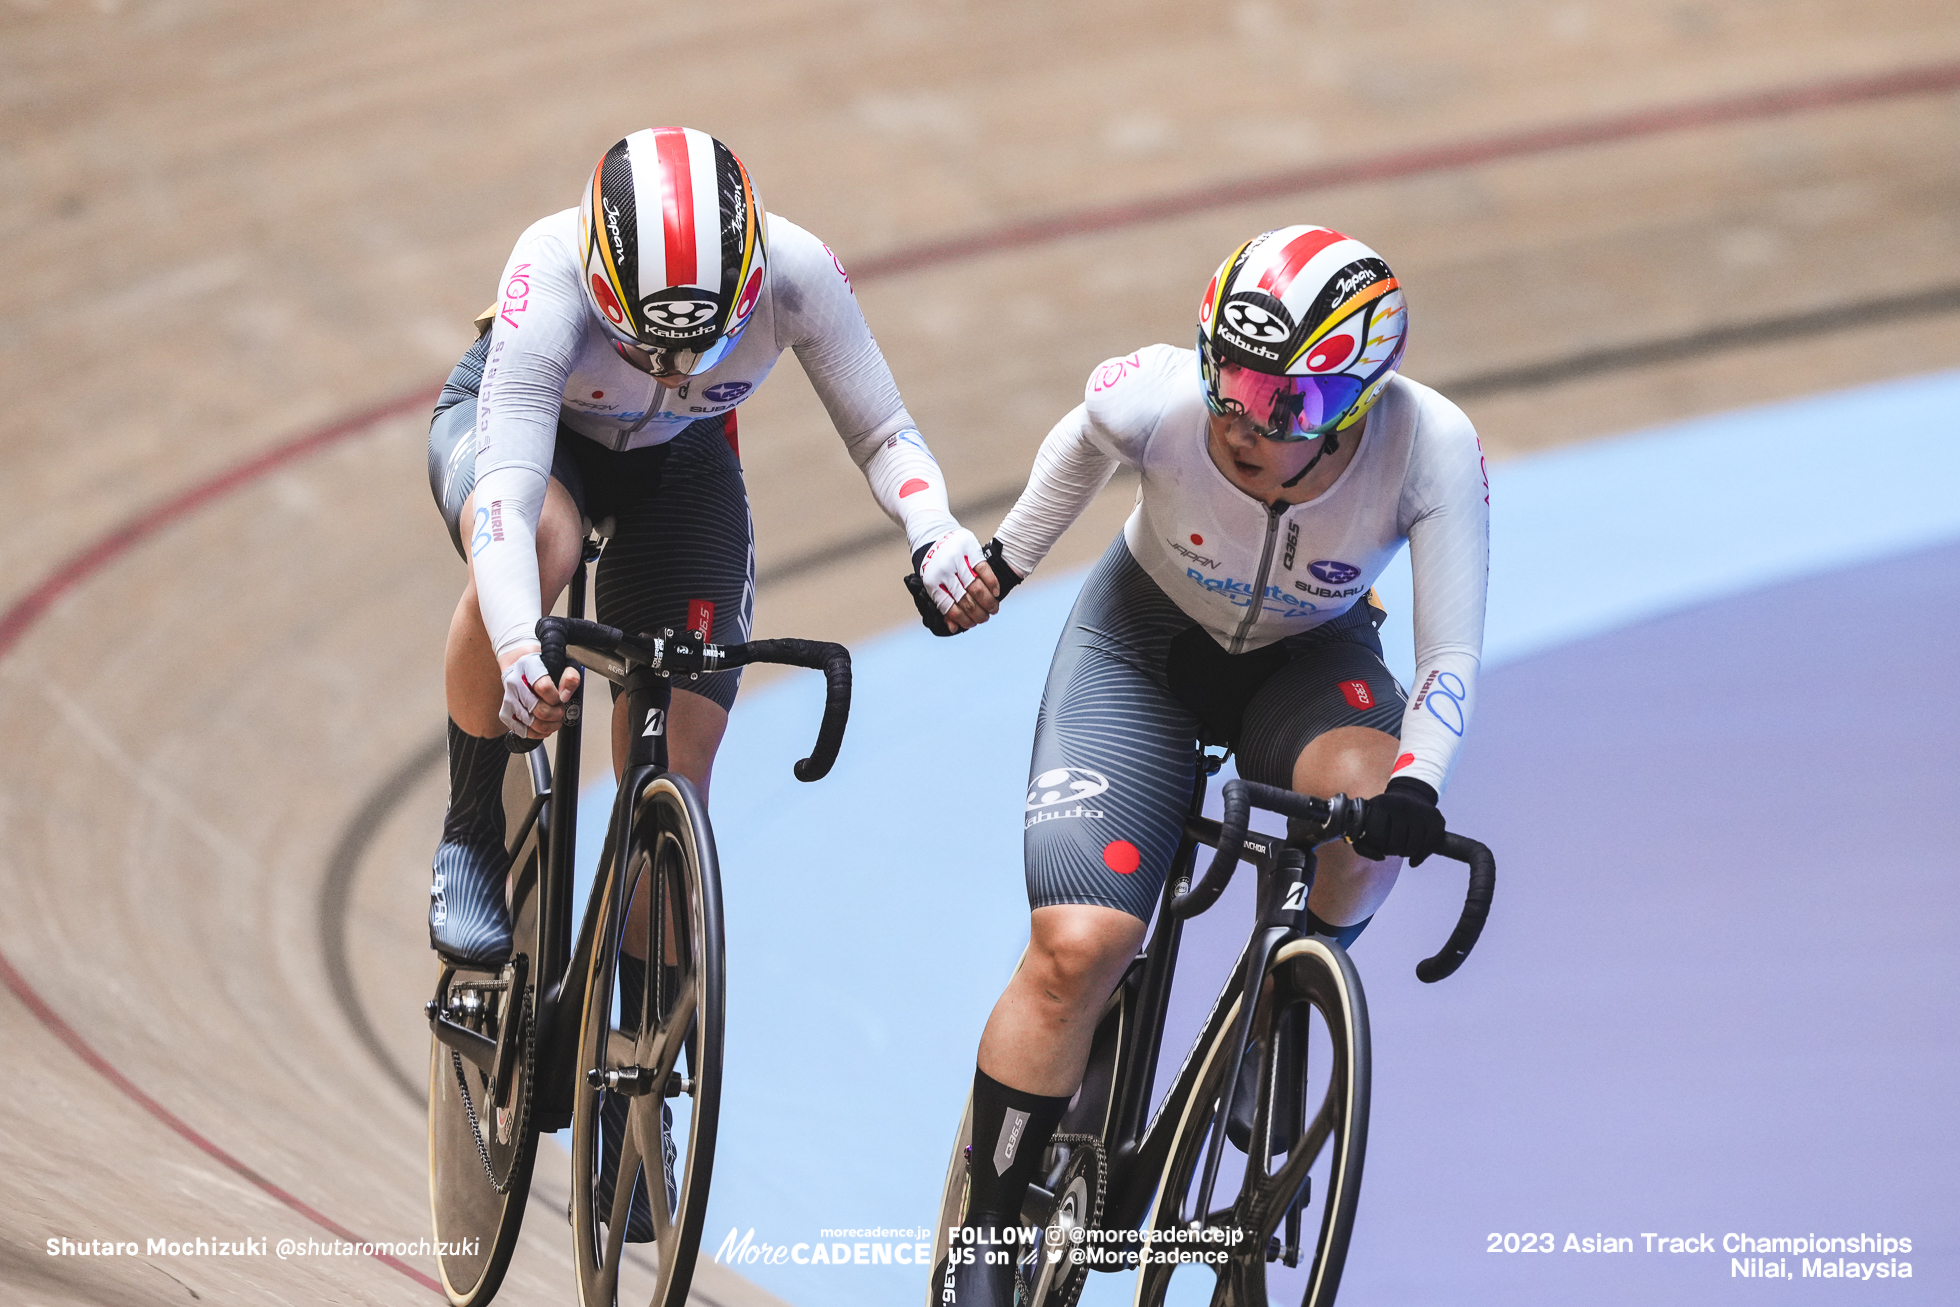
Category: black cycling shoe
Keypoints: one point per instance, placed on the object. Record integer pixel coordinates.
(469, 921)
(612, 1132)
(1245, 1101)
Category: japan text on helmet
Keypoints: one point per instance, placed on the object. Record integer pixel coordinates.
(671, 234)
(1314, 322)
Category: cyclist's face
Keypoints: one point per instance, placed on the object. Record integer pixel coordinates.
(657, 365)
(1255, 464)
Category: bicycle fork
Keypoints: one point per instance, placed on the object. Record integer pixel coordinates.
(1283, 903)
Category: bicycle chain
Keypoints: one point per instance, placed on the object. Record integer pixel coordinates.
(1094, 1144)
(523, 1114)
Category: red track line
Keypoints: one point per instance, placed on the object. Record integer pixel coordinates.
(29, 608)
(80, 1047)
(1416, 162)
(24, 612)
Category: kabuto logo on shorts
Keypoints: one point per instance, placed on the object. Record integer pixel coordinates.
(1065, 785)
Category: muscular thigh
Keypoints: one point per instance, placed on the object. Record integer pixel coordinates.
(1338, 681)
(682, 554)
(1113, 762)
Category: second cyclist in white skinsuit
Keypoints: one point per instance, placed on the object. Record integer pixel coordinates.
(624, 335)
(1282, 466)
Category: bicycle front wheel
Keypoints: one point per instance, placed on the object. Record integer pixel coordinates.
(1298, 1143)
(650, 1051)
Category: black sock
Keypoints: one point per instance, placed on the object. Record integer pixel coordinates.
(1011, 1127)
(1342, 935)
(476, 789)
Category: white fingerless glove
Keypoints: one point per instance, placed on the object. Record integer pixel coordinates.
(950, 566)
(520, 701)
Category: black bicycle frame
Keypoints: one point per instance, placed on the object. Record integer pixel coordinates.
(1137, 1142)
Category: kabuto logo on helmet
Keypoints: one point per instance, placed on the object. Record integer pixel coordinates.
(678, 315)
(1265, 321)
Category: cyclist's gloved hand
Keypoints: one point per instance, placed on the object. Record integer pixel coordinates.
(1004, 576)
(1401, 822)
(947, 576)
(533, 707)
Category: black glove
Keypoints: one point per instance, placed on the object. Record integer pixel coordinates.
(1006, 576)
(1402, 822)
(928, 610)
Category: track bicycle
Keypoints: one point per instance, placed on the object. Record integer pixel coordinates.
(1208, 1198)
(615, 1029)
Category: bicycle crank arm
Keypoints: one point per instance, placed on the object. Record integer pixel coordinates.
(480, 1050)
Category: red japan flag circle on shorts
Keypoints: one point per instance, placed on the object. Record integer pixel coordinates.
(1121, 857)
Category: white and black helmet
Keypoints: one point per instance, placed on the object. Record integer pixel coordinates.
(1309, 324)
(671, 232)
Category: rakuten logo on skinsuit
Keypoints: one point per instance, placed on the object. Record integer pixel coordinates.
(1240, 593)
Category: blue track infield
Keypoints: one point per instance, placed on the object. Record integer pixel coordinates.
(1714, 755)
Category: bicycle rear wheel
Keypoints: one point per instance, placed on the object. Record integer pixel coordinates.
(653, 1052)
(482, 1141)
(1305, 1140)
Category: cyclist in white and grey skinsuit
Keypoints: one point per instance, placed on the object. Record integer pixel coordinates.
(625, 333)
(1282, 467)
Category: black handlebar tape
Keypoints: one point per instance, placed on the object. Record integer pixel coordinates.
(1240, 797)
(551, 634)
(928, 610)
(834, 661)
(1476, 907)
(520, 743)
(559, 632)
(1231, 843)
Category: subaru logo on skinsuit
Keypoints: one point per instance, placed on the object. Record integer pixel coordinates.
(1065, 785)
(1332, 572)
(726, 392)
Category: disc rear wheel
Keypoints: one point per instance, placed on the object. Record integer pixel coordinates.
(482, 1141)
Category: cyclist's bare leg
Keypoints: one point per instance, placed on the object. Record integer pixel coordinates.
(1038, 1037)
(472, 681)
(1356, 761)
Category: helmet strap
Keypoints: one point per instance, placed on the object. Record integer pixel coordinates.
(1329, 444)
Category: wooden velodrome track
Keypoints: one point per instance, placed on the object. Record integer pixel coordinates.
(235, 227)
